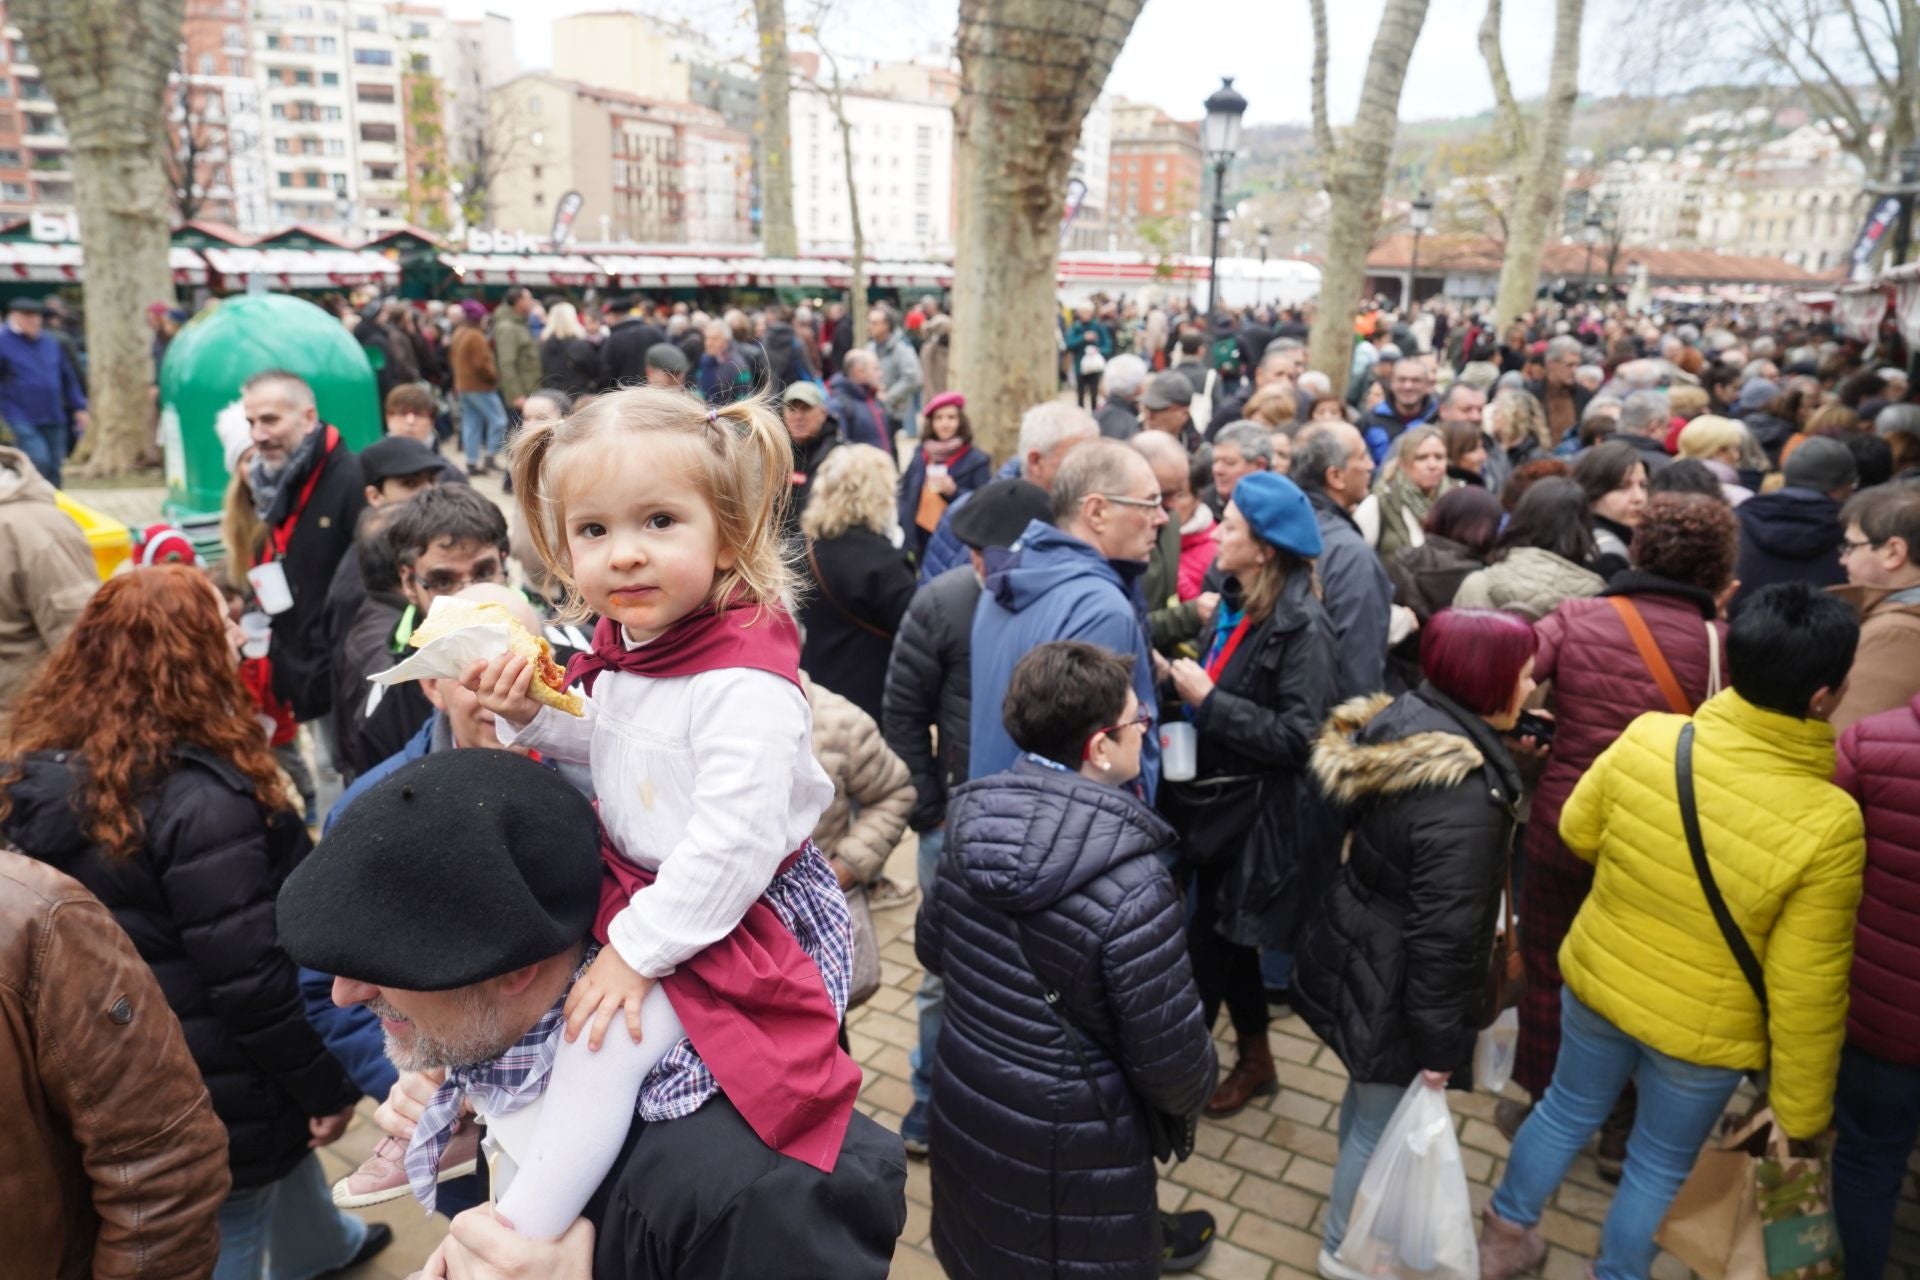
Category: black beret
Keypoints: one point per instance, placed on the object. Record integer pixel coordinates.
(456, 868)
(998, 513)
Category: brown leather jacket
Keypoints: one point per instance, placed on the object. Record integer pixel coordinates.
(112, 1163)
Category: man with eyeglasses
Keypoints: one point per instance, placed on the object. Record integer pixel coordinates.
(437, 543)
(1077, 581)
(1883, 583)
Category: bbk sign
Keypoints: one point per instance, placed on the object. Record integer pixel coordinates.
(480, 240)
(54, 228)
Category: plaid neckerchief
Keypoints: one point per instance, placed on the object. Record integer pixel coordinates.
(499, 1086)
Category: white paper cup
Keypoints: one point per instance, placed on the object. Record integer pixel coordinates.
(270, 586)
(1179, 751)
(258, 628)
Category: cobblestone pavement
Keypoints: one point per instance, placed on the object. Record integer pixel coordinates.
(1264, 1174)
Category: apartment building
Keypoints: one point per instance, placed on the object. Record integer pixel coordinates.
(902, 169)
(1155, 167)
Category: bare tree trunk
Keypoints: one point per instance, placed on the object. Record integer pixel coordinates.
(1029, 71)
(105, 62)
(1537, 189)
(777, 232)
(857, 282)
(1356, 172)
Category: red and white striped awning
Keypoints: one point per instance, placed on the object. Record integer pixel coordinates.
(63, 262)
(561, 270)
(302, 268)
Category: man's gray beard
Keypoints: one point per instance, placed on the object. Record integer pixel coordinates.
(482, 1039)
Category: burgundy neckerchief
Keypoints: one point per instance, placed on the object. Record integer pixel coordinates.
(709, 639)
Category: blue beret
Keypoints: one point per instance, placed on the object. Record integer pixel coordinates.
(1278, 513)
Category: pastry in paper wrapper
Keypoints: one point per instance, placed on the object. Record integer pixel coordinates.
(459, 633)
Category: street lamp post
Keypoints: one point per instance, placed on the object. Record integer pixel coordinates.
(1419, 219)
(1592, 227)
(1220, 138)
(1260, 294)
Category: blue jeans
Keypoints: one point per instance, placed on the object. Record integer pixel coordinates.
(1679, 1103)
(483, 424)
(1276, 970)
(286, 1230)
(1876, 1108)
(932, 999)
(1364, 1113)
(45, 446)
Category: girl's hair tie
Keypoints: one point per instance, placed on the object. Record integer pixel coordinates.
(713, 416)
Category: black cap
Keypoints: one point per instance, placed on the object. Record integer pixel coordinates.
(396, 456)
(456, 868)
(998, 513)
(25, 306)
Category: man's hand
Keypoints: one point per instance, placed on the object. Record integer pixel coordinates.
(843, 873)
(501, 684)
(1162, 669)
(482, 1246)
(608, 986)
(325, 1130)
(406, 1101)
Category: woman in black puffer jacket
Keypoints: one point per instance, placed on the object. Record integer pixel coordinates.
(164, 801)
(1051, 872)
(1392, 970)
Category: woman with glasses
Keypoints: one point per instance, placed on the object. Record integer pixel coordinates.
(1070, 1007)
(1254, 831)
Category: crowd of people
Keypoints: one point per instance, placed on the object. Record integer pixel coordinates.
(1586, 651)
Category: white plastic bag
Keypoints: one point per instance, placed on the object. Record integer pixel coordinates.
(1493, 1054)
(1412, 1217)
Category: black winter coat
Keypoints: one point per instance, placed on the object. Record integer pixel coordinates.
(1029, 1179)
(370, 726)
(930, 686)
(323, 534)
(1252, 800)
(623, 356)
(1392, 969)
(197, 898)
(1789, 535)
(860, 591)
(571, 365)
(808, 458)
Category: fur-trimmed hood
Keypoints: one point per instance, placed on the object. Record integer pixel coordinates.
(1379, 747)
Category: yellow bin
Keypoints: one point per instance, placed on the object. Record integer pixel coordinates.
(112, 542)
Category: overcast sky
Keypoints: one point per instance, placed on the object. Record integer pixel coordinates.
(1179, 49)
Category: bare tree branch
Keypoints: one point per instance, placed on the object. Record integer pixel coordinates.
(1505, 104)
(1322, 130)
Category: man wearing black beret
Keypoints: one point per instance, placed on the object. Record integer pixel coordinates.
(455, 897)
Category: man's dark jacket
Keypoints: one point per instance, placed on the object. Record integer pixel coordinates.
(302, 666)
(703, 1198)
(929, 686)
(623, 356)
(370, 728)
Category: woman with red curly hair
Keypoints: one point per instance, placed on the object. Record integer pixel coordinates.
(134, 764)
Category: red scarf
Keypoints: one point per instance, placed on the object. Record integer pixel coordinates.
(709, 639)
(753, 1003)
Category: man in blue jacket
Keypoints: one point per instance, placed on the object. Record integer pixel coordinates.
(40, 393)
(1079, 581)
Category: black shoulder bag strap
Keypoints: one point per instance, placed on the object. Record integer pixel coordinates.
(1690, 819)
(1051, 994)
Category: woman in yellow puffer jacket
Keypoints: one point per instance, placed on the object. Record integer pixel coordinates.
(1653, 991)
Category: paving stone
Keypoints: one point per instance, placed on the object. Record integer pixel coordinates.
(912, 1264)
(1321, 1084)
(1297, 1049)
(1482, 1136)
(919, 1181)
(1305, 1140)
(919, 1223)
(890, 1092)
(890, 1028)
(1257, 1157)
(1311, 1174)
(891, 999)
(1582, 1201)
(1272, 1240)
(1253, 1122)
(1569, 1232)
(1170, 1195)
(1305, 1108)
(1223, 1213)
(1204, 1174)
(1231, 1262)
(891, 1060)
(1564, 1265)
(1289, 1205)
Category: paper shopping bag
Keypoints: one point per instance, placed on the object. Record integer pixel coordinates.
(1751, 1210)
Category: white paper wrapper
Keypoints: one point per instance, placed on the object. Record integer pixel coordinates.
(447, 657)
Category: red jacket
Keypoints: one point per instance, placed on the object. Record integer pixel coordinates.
(1879, 765)
(1601, 685)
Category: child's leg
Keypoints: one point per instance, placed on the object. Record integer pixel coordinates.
(584, 1117)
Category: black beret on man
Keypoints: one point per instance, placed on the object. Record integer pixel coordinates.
(502, 854)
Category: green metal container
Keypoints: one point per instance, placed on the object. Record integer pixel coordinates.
(219, 350)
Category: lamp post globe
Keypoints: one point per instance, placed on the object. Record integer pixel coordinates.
(1420, 218)
(1220, 139)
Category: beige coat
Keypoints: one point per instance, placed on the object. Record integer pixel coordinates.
(1529, 582)
(872, 790)
(47, 572)
(1886, 666)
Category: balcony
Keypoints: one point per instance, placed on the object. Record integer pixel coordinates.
(49, 162)
(45, 133)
